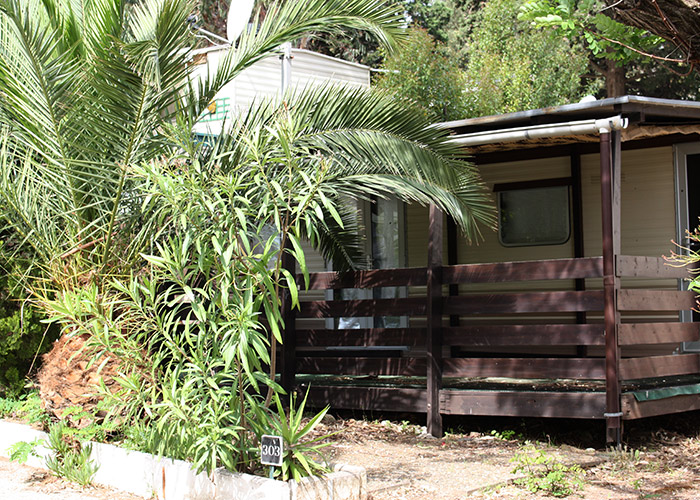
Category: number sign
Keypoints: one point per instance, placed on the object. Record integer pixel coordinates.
(271, 450)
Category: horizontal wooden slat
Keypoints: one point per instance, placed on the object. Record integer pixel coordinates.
(559, 269)
(362, 337)
(359, 308)
(361, 366)
(415, 276)
(632, 409)
(368, 398)
(659, 366)
(523, 404)
(510, 335)
(633, 266)
(550, 368)
(658, 333)
(526, 302)
(655, 300)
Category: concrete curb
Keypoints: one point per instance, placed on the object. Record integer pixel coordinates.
(162, 478)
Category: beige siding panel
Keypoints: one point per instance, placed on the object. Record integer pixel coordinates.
(315, 263)
(647, 208)
(264, 80)
(647, 205)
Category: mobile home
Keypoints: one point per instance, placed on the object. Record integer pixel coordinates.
(567, 310)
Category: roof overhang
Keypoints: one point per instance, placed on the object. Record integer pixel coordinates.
(575, 123)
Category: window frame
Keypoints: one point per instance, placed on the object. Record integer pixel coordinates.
(498, 189)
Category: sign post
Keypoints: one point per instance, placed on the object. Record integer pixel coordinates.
(271, 451)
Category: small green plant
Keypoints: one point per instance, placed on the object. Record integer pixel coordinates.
(624, 458)
(505, 435)
(300, 452)
(26, 407)
(71, 458)
(543, 472)
(20, 451)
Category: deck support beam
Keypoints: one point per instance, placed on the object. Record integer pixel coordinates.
(434, 322)
(610, 200)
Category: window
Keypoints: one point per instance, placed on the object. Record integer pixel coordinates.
(531, 216)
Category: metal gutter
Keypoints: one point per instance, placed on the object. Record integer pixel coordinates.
(611, 104)
(580, 127)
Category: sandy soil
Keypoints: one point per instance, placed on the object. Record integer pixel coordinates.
(402, 464)
(19, 482)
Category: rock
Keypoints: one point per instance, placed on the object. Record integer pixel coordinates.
(328, 419)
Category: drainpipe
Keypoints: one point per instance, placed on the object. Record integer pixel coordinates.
(286, 58)
(581, 127)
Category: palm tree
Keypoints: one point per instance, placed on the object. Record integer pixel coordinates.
(87, 91)
(95, 94)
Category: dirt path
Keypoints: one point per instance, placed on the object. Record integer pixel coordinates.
(403, 465)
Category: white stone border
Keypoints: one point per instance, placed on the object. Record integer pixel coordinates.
(162, 478)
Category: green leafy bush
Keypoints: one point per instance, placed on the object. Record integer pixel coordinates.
(25, 407)
(22, 335)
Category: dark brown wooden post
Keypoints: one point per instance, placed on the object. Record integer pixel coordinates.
(288, 372)
(434, 320)
(610, 197)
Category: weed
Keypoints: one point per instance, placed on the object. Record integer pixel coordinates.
(505, 435)
(624, 458)
(299, 448)
(543, 472)
(20, 451)
(26, 407)
(70, 459)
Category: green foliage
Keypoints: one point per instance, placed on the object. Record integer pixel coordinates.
(168, 254)
(434, 16)
(300, 452)
(70, 458)
(357, 46)
(25, 407)
(22, 336)
(575, 19)
(88, 94)
(543, 472)
(642, 55)
(21, 450)
(422, 71)
(514, 67)
(504, 435)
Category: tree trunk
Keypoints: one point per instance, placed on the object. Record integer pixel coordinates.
(614, 80)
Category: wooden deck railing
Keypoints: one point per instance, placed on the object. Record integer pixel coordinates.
(528, 334)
